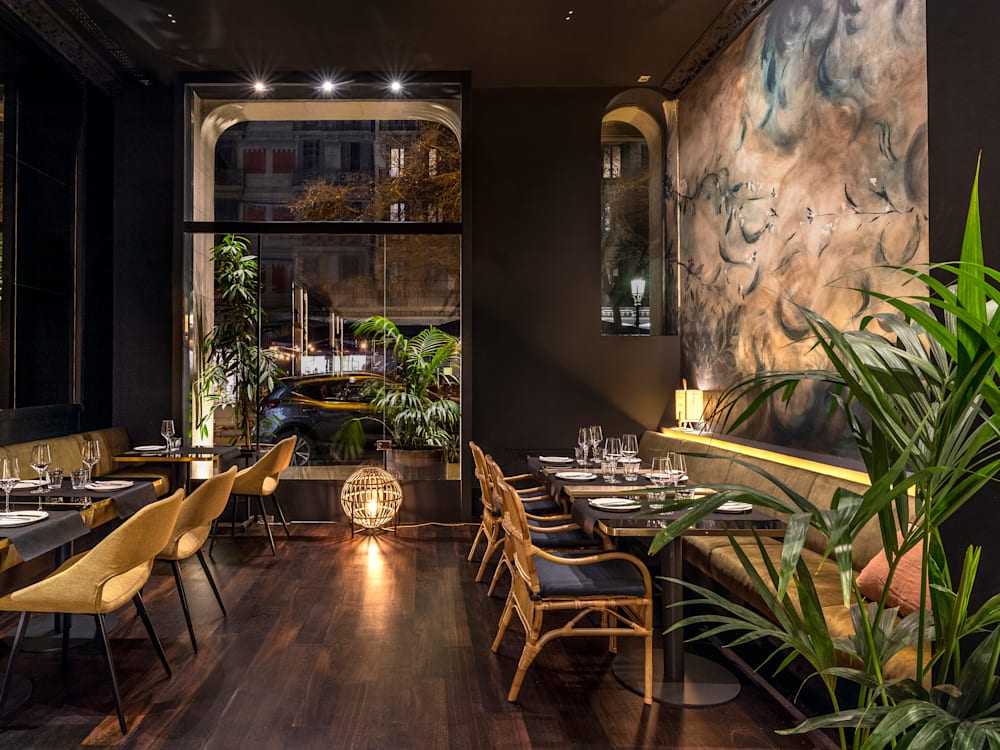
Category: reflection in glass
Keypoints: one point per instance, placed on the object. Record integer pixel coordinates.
(625, 229)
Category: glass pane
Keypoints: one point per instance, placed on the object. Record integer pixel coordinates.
(625, 230)
(314, 289)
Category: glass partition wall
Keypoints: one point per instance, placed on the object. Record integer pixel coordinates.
(350, 203)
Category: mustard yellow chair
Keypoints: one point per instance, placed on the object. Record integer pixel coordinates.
(261, 480)
(194, 523)
(99, 581)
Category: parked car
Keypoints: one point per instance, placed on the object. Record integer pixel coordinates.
(313, 408)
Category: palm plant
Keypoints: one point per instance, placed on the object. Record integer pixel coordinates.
(921, 400)
(412, 402)
(236, 369)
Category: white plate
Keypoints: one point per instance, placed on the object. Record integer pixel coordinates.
(145, 448)
(26, 483)
(576, 476)
(620, 504)
(111, 484)
(733, 507)
(23, 517)
(555, 459)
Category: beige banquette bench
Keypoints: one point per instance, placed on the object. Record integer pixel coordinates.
(67, 450)
(713, 556)
(66, 454)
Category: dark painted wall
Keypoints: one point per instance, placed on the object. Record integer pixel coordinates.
(963, 64)
(143, 287)
(539, 365)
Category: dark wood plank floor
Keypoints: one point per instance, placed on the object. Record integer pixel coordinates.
(371, 642)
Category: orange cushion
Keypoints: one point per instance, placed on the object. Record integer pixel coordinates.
(904, 591)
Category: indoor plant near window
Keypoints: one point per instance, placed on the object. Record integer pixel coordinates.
(922, 400)
(236, 369)
(414, 402)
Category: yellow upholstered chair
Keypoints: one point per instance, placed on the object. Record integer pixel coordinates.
(194, 523)
(261, 480)
(614, 585)
(99, 581)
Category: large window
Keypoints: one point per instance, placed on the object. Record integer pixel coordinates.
(321, 169)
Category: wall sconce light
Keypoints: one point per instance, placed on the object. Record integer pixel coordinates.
(638, 290)
(371, 498)
(689, 406)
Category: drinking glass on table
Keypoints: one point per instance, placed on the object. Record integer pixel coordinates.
(660, 474)
(91, 454)
(630, 446)
(41, 457)
(678, 468)
(167, 430)
(596, 438)
(10, 474)
(613, 453)
(581, 454)
(583, 443)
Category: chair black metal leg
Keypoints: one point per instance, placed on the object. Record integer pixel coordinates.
(211, 582)
(141, 609)
(67, 627)
(281, 514)
(176, 567)
(111, 672)
(267, 526)
(215, 529)
(22, 628)
(232, 521)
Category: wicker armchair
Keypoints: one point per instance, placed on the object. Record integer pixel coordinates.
(614, 585)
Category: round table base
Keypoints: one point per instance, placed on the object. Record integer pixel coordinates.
(705, 682)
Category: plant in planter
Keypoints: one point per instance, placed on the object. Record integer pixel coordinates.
(413, 400)
(922, 401)
(236, 369)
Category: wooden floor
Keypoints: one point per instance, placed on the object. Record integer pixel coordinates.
(371, 642)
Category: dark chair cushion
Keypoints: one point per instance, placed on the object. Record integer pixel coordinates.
(561, 539)
(607, 578)
(543, 506)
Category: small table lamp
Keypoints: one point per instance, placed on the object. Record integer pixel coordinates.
(371, 498)
(689, 406)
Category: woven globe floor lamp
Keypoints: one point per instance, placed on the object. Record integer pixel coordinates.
(371, 498)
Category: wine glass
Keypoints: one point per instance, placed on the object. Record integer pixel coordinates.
(583, 442)
(167, 430)
(41, 457)
(678, 468)
(10, 474)
(91, 454)
(596, 438)
(630, 446)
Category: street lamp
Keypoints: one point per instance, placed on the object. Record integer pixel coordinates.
(638, 289)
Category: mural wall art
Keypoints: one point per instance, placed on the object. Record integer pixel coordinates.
(803, 169)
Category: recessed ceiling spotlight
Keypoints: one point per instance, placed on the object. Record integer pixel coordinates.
(645, 78)
(396, 87)
(327, 87)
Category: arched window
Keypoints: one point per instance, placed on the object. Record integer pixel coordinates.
(638, 217)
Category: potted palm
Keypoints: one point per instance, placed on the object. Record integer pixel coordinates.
(414, 402)
(921, 397)
(236, 369)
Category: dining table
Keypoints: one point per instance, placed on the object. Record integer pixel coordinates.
(185, 457)
(684, 678)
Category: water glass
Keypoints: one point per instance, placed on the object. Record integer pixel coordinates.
(608, 466)
(10, 474)
(78, 478)
(581, 454)
(630, 469)
(167, 431)
(684, 493)
(55, 478)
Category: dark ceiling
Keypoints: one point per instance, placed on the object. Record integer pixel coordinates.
(510, 43)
